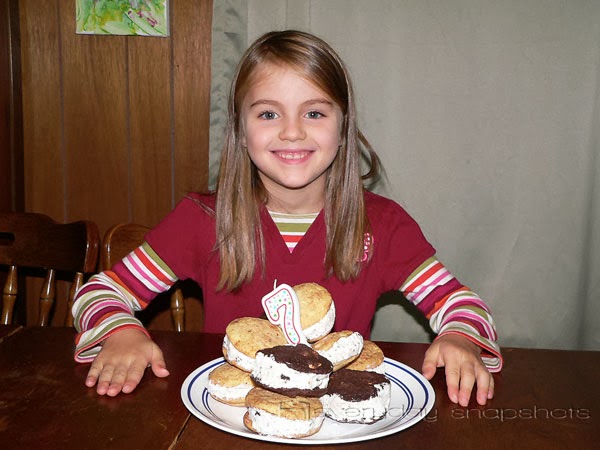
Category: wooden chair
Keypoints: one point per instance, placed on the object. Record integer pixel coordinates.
(121, 239)
(35, 241)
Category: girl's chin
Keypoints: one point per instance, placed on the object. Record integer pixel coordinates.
(290, 184)
(293, 181)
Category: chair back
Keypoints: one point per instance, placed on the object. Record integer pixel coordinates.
(32, 240)
(118, 242)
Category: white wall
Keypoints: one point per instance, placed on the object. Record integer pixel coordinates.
(485, 113)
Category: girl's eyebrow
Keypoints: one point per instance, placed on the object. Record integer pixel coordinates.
(318, 101)
(311, 102)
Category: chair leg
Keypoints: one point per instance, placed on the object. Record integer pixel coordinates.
(9, 295)
(177, 310)
(47, 298)
(77, 283)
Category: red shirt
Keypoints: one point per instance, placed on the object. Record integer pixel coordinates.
(185, 240)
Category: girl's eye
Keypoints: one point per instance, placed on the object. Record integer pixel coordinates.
(314, 114)
(268, 115)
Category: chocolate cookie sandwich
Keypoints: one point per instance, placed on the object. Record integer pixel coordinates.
(273, 414)
(292, 370)
(357, 396)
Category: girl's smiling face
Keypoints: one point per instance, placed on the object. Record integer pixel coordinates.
(292, 131)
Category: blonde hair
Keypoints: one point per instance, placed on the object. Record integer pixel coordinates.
(240, 192)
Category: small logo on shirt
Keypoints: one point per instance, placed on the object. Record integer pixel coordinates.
(367, 246)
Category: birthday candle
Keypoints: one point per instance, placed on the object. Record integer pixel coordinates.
(283, 309)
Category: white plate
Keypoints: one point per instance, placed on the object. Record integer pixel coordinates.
(411, 400)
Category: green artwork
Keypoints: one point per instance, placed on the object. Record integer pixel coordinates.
(123, 17)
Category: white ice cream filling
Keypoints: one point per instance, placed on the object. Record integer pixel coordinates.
(364, 411)
(322, 327)
(229, 392)
(236, 357)
(269, 424)
(271, 373)
(343, 348)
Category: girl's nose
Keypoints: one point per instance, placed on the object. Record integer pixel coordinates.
(292, 130)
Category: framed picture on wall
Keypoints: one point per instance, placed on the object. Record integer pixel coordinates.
(123, 17)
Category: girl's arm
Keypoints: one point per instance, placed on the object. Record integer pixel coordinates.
(466, 344)
(452, 308)
(107, 302)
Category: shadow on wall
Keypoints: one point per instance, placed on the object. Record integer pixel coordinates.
(405, 312)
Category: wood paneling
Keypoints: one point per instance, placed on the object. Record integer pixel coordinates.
(5, 95)
(191, 65)
(42, 112)
(115, 127)
(11, 125)
(150, 112)
(95, 124)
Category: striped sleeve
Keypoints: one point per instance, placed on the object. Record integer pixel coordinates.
(453, 308)
(108, 301)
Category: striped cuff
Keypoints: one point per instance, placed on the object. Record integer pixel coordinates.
(490, 350)
(88, 343)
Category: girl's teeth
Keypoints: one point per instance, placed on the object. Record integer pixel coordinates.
(291, 155)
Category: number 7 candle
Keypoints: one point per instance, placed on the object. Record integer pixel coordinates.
(283, 309)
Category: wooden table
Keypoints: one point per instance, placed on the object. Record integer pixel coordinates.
(544, 399)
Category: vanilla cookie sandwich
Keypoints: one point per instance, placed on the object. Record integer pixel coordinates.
(229, 385)
(273, 414)
(371, 358)
(245, 336)
(340, 347)
(317, 310)
(292, 370)
(357, 396)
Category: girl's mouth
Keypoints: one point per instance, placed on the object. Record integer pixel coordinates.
(292, 155)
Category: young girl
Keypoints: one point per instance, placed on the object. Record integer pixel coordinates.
(292, 153)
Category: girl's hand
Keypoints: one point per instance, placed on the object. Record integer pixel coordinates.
(464, 368)
(121, 363)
